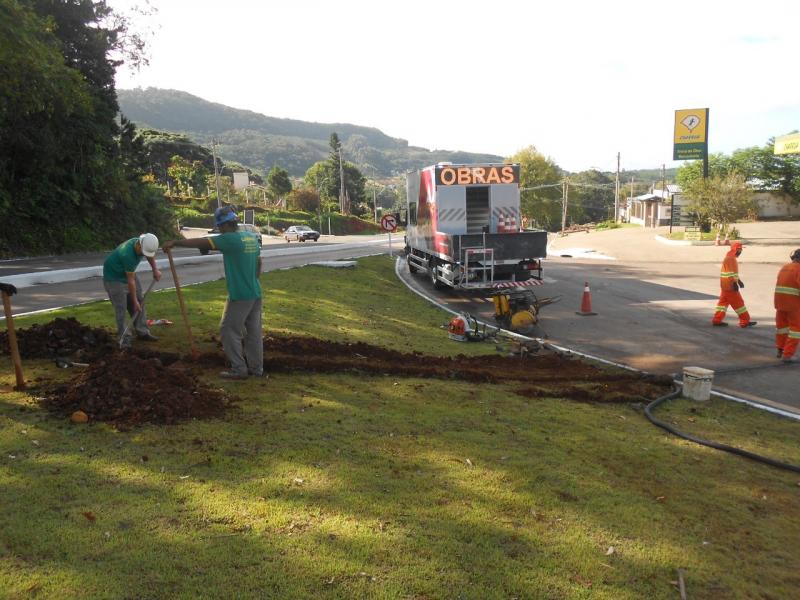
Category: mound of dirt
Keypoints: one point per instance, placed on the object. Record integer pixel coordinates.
(61, 337)
(127, 390)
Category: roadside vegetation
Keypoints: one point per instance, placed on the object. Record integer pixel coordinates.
(345, 485)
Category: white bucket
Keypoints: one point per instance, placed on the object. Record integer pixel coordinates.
(697, 383)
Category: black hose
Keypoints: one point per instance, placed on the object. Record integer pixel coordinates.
(724, 447)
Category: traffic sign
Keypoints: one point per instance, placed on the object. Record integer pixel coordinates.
(389, 223)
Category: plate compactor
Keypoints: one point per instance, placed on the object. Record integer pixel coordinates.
(518, 310)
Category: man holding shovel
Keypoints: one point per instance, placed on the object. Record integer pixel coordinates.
(240, 328)
(124, 288)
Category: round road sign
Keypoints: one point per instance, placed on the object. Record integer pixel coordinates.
(388, 223)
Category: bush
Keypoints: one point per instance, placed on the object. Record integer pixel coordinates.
(608, 225)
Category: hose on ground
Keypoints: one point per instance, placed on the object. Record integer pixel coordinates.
(648, 411)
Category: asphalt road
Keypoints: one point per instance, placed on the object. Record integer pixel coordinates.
(654, 310)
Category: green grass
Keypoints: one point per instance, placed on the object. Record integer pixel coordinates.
(340, 486)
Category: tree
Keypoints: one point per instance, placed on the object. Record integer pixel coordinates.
(189, 177)
(591, 196)
(306, 199)
(718, 165)
(278, 182)
(324, 177)
(540, 183)
(720, 199)
(70, 173)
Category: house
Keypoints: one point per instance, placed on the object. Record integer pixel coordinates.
(657, 207)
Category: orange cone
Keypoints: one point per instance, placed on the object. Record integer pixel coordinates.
(586, 302)
(716, 242)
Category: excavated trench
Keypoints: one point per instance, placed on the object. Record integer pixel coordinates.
(144, 385)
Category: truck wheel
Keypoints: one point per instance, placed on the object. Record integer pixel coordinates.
(412, 268)
(432, 274)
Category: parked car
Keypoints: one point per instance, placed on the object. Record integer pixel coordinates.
(300, 233)
(240, 227)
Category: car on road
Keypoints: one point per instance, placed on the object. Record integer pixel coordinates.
(240, 227)
(300, 233)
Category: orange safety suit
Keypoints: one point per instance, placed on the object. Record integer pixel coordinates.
(729, 286)
(787, 309)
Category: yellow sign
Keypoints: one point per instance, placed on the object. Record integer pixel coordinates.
(691, 133)
(691, 125)
(788, 144)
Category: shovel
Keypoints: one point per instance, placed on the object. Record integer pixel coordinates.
(65, 363)
(136, 314)
(12, 342)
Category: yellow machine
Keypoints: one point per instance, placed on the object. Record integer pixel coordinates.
(518, 310)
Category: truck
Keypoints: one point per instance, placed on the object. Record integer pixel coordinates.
(464, 228)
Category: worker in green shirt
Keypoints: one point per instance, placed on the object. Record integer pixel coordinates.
(124, 288)
(240, 328)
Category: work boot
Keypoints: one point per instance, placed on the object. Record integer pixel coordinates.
(750, 324)
(232, 375)
(147, 337)
(720, 324)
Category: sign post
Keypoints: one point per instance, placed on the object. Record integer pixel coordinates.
(389, 223)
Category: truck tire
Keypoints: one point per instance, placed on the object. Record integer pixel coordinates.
(432, 274)
(412, 268)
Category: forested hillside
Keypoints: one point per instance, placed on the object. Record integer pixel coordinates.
(259, 141)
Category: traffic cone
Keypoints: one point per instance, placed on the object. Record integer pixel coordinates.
(727, 241)
(586, 302)
(716, 242)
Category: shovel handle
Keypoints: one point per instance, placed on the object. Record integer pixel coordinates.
(184, 314)
(12, 342)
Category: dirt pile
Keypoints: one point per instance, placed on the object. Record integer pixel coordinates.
(547, 374)
(61, 337)
(127, 390)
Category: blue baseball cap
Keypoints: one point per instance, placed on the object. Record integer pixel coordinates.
(224, 214)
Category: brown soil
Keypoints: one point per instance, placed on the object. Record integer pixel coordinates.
(61, 338)
(127, 390)
(548, 374)
(145, 385)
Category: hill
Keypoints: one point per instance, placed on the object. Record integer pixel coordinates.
(259, 141)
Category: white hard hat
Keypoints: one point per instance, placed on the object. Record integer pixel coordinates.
(149, 244)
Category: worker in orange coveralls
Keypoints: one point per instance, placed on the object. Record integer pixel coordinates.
(730, 284)
(787, 308)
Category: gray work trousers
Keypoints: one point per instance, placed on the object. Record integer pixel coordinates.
(240, 330)
(118, 294)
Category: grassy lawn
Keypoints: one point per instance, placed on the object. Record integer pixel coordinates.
(347, 486)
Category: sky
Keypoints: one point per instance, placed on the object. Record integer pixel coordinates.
(579, 80)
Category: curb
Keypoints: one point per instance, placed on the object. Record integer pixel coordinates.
(24, 280)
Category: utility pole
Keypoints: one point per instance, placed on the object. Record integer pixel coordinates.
(216, 173)
(342, 201)
(666, 195)
(564, 204)
(631, 196)
(616, 193)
